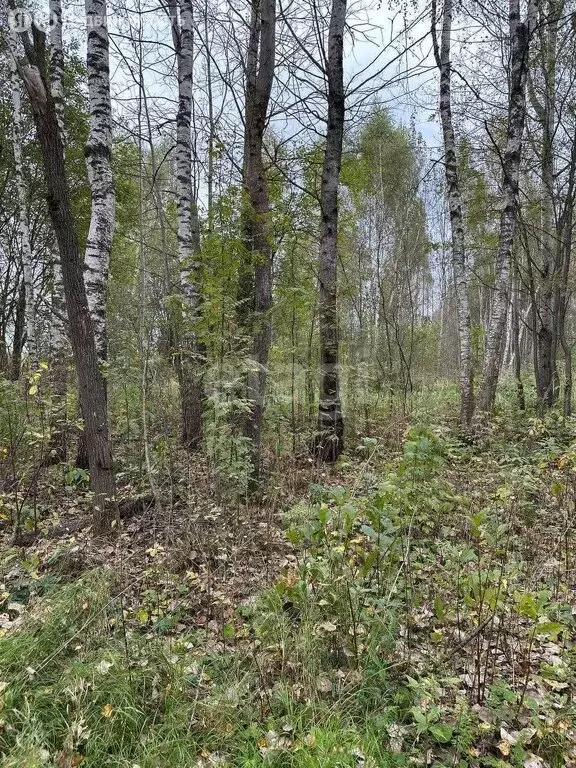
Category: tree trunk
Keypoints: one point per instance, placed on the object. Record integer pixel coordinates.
(456, 212)
(330, 438)
(257, 272)
(515, 345)
(565, 228)
(546, 316)
(4, 361)
(59, 356)
(91, 384)
(29, 308)
(188, 359)
(59, 342)
(57, 63)
(520, 34)
(19, 335)
(98, 154)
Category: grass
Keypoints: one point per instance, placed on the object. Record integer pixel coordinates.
(416, 623)
(74, 694)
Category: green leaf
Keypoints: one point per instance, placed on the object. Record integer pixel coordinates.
(294, 536)
(439, 609)
(420, 719)
(228, 630)
(441, 733)
(550, 628)
(557, 489)
(526, 605)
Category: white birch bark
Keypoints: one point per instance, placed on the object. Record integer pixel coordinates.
(60, 350)
(59, 341)
(520, 34)
(57, 63)
(188, 235)
(455, 207)
(98, 156)
(27, 270)
(60, 345)
(60, 353)
(182, 23)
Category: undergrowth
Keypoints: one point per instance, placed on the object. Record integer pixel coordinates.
(426, 617)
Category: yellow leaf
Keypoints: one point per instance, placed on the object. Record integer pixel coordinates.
(107, 711)
(33, 389)
(504, 747)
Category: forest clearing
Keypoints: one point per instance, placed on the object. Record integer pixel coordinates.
(287, 444)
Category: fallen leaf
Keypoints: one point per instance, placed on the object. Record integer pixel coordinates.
(328, 626)
(310, 740)
(396, 734)
(324, 684)
(504, 748)
(509, 738)
(534, 762)
(103, 667)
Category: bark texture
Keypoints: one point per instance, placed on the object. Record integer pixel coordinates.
(330, 439)
(22, 192)
(442, 55)
(59, 356)
(545, 108)
(257, 275)
(59, 342)
(188, 358)
(520, 34)
(57, 63)
(565, 244)
(98, 153)
(19, 334)
(91, 383)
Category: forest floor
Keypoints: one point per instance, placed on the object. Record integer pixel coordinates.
(414, 605)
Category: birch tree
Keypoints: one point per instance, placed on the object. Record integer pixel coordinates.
(188, 358)
(454, 196)
(520, 33)
(57, 62)
(330, 439)
(59, 343)
(26, 249)
(91, 384)
(98, 162)
(59, 355)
